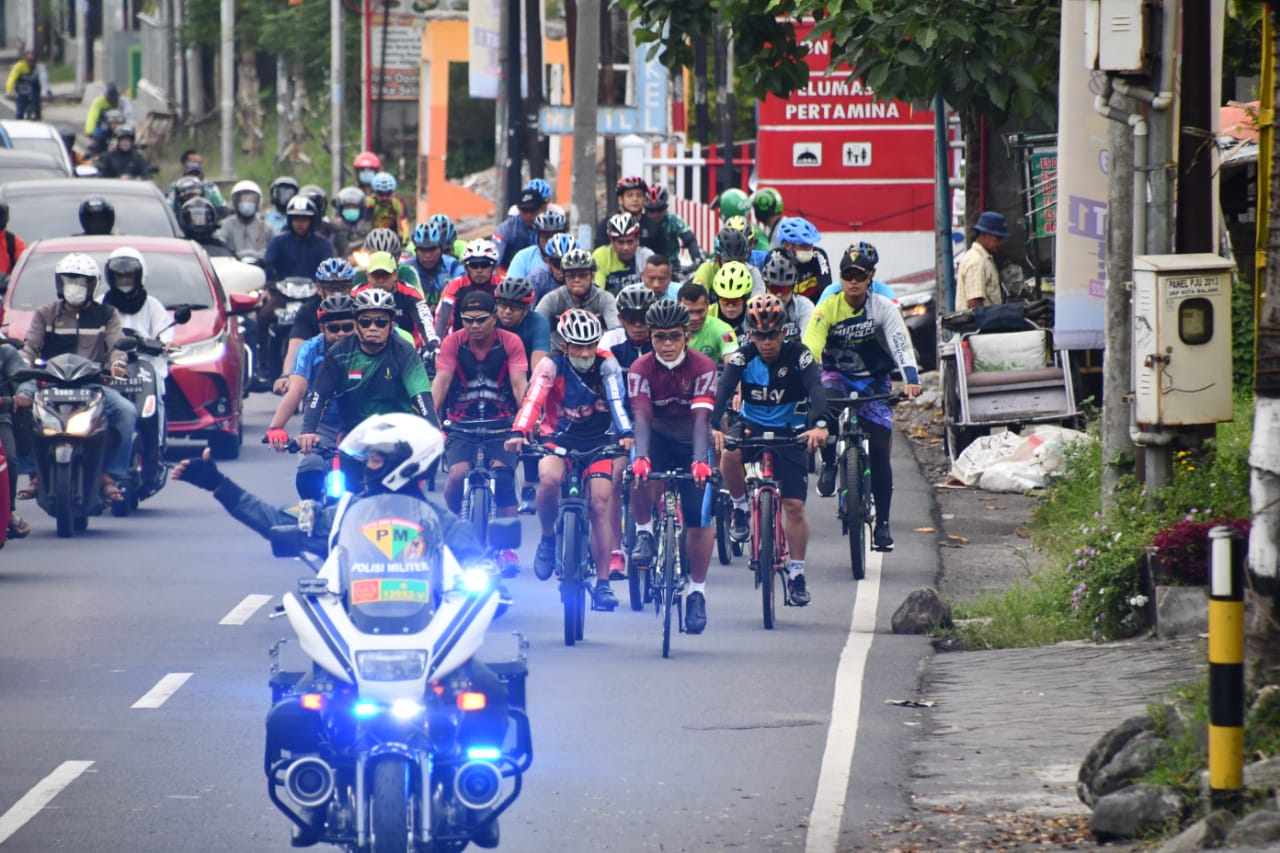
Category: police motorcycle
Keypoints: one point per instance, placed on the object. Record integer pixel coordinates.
(396, 738)
(71, 437)
(143, 387)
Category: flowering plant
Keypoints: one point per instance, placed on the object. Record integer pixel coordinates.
(1182, 548)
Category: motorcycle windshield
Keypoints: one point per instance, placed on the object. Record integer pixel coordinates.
(389, 554)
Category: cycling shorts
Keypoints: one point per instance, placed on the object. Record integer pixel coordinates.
(790, 462)
(695, 503)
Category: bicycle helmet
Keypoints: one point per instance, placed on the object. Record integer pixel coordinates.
(242, 187)
(301, 207)
(622, 225)
(335, 272)
(348, 197)
(514, 290)
(340, 306)
(552, 219)
(733, 245)
(580, 327)
(125, 261)
(779, 270)
(635, 299)
(383, 240)
(282, 190)
(658, 198)
(766, 313)
(448, 232)
(384, 182)
(318, 197)
(480, 250)
(427, 236)
(539, 186)
(375, 299)
(198, 219)
(408, 445)
(367, 160)
(667, 314)
(732, 202)
(578, 259)
(798, 232)
(559, 244)
(76, 264)
(97, 216)
(733, 281)
(632, 182)
(868, 251)
(766, 202)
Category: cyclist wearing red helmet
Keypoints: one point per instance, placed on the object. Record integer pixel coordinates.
(671, 232)
(631, 192)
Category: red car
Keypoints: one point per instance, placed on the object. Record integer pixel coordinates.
(204, 392)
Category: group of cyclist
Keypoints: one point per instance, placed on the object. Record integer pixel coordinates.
(597, 348)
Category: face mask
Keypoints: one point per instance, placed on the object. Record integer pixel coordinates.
(247, 209)
(671, 365)
(365, 175)
(127, 286)
(75, 294)
(803, 256)
(350, 214)
(582, 364)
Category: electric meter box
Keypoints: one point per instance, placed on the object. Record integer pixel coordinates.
(1182, 339)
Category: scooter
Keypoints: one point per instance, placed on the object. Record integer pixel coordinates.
(293, 292)
(397, 739)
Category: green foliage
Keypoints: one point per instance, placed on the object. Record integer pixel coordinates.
(1242, 334)
(471, 143)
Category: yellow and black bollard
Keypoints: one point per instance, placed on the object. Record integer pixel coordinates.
(1226, 669)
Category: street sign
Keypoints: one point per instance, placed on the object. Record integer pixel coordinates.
(856, 154)
(806, 155)
(610, 121)
(649, 116)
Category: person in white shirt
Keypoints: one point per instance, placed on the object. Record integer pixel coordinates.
(144, 314)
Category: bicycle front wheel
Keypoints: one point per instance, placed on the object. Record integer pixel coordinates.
(478, 514)
(765, 556)
(572, 590)
(669, 581)
(855, 521)
(724, 512)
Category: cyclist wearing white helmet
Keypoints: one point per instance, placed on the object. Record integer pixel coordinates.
(480, 262)
(245, 231)
(518, 232)
(386, 210)
(578, 291)
(619, 263)
(548, 223)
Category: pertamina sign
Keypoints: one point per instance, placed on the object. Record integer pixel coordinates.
(843, 158)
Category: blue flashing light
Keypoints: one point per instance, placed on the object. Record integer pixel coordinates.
(365, 710)
(484, 753)
(335, 484)
(475, 581)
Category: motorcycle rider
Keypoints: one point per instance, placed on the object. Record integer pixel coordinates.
(366, 164)
(320, 200)
(11, 245)
(372, 372)
(350, 225)
(333, 276)
(97, 216)
(193, 167)
(124, 161)
(296, 252)
(434, 266)
(199, 223)
(74, 323)
(10, 363)
(245, 231)
(282, 191)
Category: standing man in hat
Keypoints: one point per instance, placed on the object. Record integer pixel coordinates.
(518, 231)
(977, 279)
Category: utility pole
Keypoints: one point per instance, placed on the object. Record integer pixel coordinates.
(228, 85)
(533, 73)
(586, 97)
(515, 111)
(724, 100)
(337, 75)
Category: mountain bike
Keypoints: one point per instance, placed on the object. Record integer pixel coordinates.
(479, 488)
(575, 566)
(854, 507)
(664, 582)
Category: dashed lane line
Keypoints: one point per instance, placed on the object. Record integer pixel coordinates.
(165, 687)
(40, 796)
(244, 611)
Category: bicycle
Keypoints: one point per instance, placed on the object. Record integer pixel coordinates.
(664, 582)
(575, 566)
(854, 507)
(770, 555)
(722, 512)
(478, 489)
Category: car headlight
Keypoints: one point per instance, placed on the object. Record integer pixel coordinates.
(391, 664)
(920, 298)
(201, 352)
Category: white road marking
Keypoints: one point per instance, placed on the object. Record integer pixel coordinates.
(40, 796)
(842, 735)
(165, 687)
(244, 611)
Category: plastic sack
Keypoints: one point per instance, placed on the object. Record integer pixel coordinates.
(1008, 462)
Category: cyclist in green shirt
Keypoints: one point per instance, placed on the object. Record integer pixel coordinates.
(710, 336)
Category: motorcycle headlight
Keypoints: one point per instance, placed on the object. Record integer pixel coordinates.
(201, 352)
(291, 289)
(81, 423)
(475, 581)
(47, 418)
(391, 664)
(915, 310)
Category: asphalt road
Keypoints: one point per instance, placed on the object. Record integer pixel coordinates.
(133, 719)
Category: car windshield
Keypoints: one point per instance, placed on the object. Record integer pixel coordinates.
(175, 278)
(39, 216)
(27, 172)
(43, 144)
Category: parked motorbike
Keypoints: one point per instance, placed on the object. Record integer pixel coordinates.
(398, 739)
(292, 292)
(71, 437)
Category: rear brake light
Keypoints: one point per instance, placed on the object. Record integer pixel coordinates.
(472, 701)
(313, 701)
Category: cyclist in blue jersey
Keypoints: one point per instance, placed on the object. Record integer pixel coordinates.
(547, 224)
(432, 263)
(781, 387)
(550, 276)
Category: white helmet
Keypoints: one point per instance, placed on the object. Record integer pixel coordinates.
(77, 263)
(580, 327)
(246, 187)
(480, 250)
(407, 443)
(124, 260)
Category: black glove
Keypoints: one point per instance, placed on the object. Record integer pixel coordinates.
(203, 473)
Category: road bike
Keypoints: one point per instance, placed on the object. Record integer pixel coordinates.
(575, 566)
(722, 512)
(664, 582)
(854, 506)
(479, 488)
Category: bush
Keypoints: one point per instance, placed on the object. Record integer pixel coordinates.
(1182, 549)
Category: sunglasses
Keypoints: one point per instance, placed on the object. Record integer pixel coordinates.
(335, 328)
(766, 336)
(512, 306)
(475, 319)
(479, 265)
(667, 337)
(380, 322)
(855, 275)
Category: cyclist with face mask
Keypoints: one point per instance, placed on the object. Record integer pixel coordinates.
(800, 240)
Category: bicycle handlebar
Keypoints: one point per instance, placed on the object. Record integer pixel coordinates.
(766, 440)
(319, 450)
(491, 428)
(534, 450)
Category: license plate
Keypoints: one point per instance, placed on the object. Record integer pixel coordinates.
(128, 389)
(68, 395)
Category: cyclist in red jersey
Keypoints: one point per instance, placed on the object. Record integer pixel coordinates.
(480, 258)
(672, 393)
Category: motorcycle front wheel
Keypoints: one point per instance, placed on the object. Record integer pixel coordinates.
(389, 806)
(64, 499)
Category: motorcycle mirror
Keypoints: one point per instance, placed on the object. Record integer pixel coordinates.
(504, 534)
(243, 303)
(181, 316)
(286, 540)
(127, 344)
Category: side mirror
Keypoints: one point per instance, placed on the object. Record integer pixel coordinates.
(286, 540)
(182, 315)
(243, 303)
(504, 534)
(127, 344)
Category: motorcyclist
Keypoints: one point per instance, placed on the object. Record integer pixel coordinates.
(350, 225)
(199, 222)
(245, 231)
(385, 209)
(334, 276)
(106, 112)
(11, 245)
(74, 323)
(183, 190)
(282, 191)
(295, 253)
(193, 167)
(124, 161)
(97, 216)
(320, 200)
(432, 263)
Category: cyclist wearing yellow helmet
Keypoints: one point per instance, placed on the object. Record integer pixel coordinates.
(732, 287)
